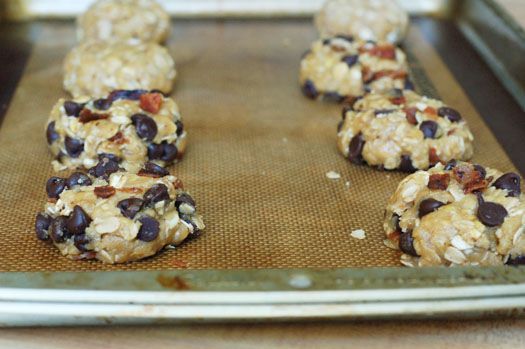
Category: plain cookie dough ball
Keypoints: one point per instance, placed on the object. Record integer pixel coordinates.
(135, 126)
(131, 21)
(378, 20)
(457, 214)
(395, 136)
(341, 68)
(117, 217)
(96, 68)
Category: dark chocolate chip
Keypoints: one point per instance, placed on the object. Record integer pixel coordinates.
(130, 207)
(428, 206)
(58, 230)
(356, 148)
(74, 147)
(449, 113)
(180, 127)
(383, 111)
(105, 167)
(102, 103)
(42, 223)
(169, 152)
(406, 244)
(518, 260)
(406, 164)
(149, 230)
(510, 182)
(396, 219)
(73, 108)
(145, 126)
(158, 192)
(78, 178)
(155, 151)
(350, 60)
(450, 165)
(491, 214)
(81, 241)
(109, 156)
(153, 170)
(429, 128)
(333, 97)
(184, 198)
(346, 109)
(309, 89)
(132, 95)
(409, 85)
(348, 38)
(340, 125)
(51, 134)
(325, 42)
(78, 221)
(196, 231)
(55, 186)
(481, 170)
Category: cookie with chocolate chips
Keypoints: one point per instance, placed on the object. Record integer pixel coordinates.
(458, 214)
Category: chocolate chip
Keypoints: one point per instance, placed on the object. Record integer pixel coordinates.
(340, 125)
(78, 221)
(510, 182)
(73, 108)
(406, 244)
(449, 113)
(383, 111)
(184, 198)
(309, 89)
(356, 149)
(132, 95)
(491, 214)
(180, 127)
(51, 134)
(130, 207)
(105, 167)
(348, 38)
(81, 241)
(55, 186)
(409, 85)
(151, 169)
(109, 156)
(58, 230)
(481, 170)
(169, 152)
(149, 230)
(145, 126)
(102, 103)
(350, 60)
(74, 147)
(428, 206)
(195, 232)
(333, 97)
(450, 165)
(158, 192)
(406, 164)
(42, 223)
(518, 260)
(155, 151)
(326, 41)
(429, 128)
(78, 178)
(395, 220)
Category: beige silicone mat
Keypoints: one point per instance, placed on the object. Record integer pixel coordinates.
(257, 158)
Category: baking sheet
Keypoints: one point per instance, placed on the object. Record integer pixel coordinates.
(257, 157)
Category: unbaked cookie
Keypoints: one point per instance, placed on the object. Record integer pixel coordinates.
(96, 68)
(341, 68)
(400, 133)
(457, 214)
(115, 216)
(130, 21)
(133, 125)
(379, 20)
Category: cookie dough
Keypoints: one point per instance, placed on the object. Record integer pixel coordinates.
(96, 68)
(399, 133)
(116, 216)
(379, 20)
(133, 125)
(341, 68)
(131, 21)
(457, 214)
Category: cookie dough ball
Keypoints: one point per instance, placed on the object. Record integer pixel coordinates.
(135, 126)
(341, 68)
(129, 21)
(118, 216)
(379, 20)
(401, 137)
(96, 68)
(458, 214)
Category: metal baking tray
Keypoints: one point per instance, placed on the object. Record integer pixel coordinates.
(277, 244)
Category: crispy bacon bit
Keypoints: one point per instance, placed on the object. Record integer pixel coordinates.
(178, 184)
(337, 48)
(131, 190)
(367, 74)
(398, 100)
(394, 236)
(105, 191)
(438, 181)
(411, 115)
(470, 178)
(118, 138)
(52, 200)
(451, 132)
(87, 115)
(433, 158)
(382, 51)
(151, 102)
(394, 74)
(430, 110)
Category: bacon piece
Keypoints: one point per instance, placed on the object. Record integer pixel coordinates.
(151, 102)
(398, 100)
(411, 115)
(87, 115)
(386, 51)
(430, 110)
(471, 179)
(394, 74)
(131, 190)
(438, 181)
(433, 158)
(178, 184)
(118, 138)
(104, 192)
